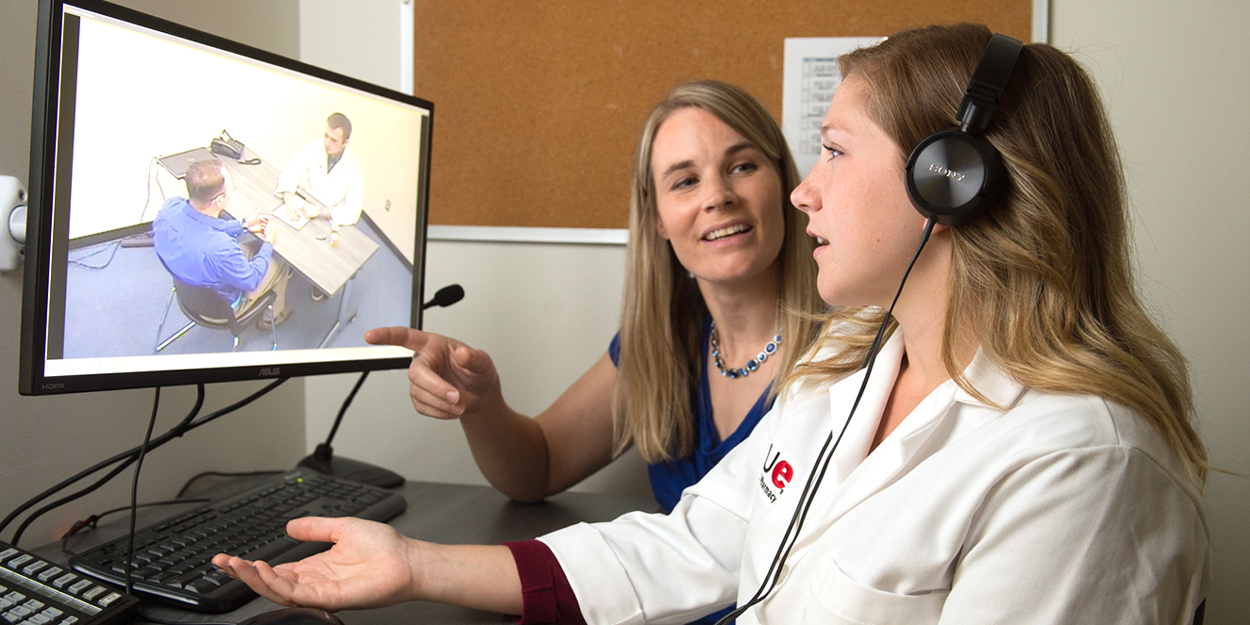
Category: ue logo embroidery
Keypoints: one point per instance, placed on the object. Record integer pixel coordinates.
(777, 474)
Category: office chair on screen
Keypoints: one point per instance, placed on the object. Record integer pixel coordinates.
(204, 307)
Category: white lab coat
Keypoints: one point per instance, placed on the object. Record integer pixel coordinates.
(1063, 509)
(341, 189)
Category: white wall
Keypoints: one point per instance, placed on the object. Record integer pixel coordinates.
(46, 439)
(544, 312)
(1173, 77)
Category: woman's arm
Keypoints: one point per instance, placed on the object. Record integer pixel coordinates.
(525, 459)
(371, 565)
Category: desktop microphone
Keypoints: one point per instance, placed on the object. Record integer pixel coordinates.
(323, 460)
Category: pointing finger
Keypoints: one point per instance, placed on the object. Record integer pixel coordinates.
(398, 336)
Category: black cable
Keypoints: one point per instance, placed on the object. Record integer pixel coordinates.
(821, 466)
(21, 529)
(185, 426)
(112, 246)
(343, 409)
(134, 494)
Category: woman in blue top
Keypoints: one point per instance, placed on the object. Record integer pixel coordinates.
(720, 280)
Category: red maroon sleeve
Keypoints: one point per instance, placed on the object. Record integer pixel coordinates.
(546, 593)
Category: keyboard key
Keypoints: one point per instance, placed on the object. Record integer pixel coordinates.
(19, 561)
(90, 595)
(61, 581)
(80, 586)
(50, 573)
(200, 586)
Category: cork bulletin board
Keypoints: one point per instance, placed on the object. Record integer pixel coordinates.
(538, 103)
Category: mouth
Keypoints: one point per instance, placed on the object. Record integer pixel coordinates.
(819, 241)
(726, 232)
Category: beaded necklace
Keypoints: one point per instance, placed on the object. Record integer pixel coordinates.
(751, 365)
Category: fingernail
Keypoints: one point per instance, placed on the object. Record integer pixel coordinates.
(452, 396)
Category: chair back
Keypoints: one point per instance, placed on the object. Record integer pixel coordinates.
(206, 306)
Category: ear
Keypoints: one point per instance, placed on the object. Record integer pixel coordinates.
(660, 229)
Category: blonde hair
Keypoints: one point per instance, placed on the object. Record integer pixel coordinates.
(661, 358)
(1044, 276)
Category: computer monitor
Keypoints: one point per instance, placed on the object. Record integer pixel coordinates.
(125, 105)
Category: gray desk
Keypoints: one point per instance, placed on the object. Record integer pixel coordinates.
(443, 513)
(328, 267)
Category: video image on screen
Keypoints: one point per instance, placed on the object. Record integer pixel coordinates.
(219, 210)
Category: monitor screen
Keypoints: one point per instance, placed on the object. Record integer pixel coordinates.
(204, 211)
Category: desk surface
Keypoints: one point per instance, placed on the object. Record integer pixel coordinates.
(325, 266)
(452, 514)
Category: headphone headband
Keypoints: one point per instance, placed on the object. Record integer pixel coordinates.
(988, 81)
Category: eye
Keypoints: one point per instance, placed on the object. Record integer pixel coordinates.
(833, 152)
(684, 182)
(744, 167)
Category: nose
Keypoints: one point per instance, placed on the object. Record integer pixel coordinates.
(720, 194)
(804, 197)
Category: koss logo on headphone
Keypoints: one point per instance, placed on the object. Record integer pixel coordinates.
(952, 171)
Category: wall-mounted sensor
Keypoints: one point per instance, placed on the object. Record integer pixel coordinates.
(12, 222)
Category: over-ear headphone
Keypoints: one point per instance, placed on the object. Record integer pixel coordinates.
(951, 172)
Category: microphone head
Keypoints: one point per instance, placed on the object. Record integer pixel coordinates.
(446, 296)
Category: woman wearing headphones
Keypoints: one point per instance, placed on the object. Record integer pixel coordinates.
(719, 298)
(1017, 450)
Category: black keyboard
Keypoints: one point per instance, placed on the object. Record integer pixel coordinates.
(34, 591)
(172, 561)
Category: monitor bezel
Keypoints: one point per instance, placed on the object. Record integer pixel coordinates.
(35, 292)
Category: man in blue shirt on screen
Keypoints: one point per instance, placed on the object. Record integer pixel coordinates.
(202, 249)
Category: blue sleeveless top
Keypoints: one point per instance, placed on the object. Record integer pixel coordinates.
(668, 479)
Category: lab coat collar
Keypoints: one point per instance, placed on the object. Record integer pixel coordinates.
(855, 475)
(992, 381)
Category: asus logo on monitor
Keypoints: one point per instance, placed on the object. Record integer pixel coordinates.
(270, 372)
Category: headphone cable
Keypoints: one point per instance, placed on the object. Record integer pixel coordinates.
(773, 576)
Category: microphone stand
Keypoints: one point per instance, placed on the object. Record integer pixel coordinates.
(323, 459)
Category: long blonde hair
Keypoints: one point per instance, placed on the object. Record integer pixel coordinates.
(1045, 276)
(660, 320)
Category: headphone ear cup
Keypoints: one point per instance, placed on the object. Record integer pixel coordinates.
(949, 174)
